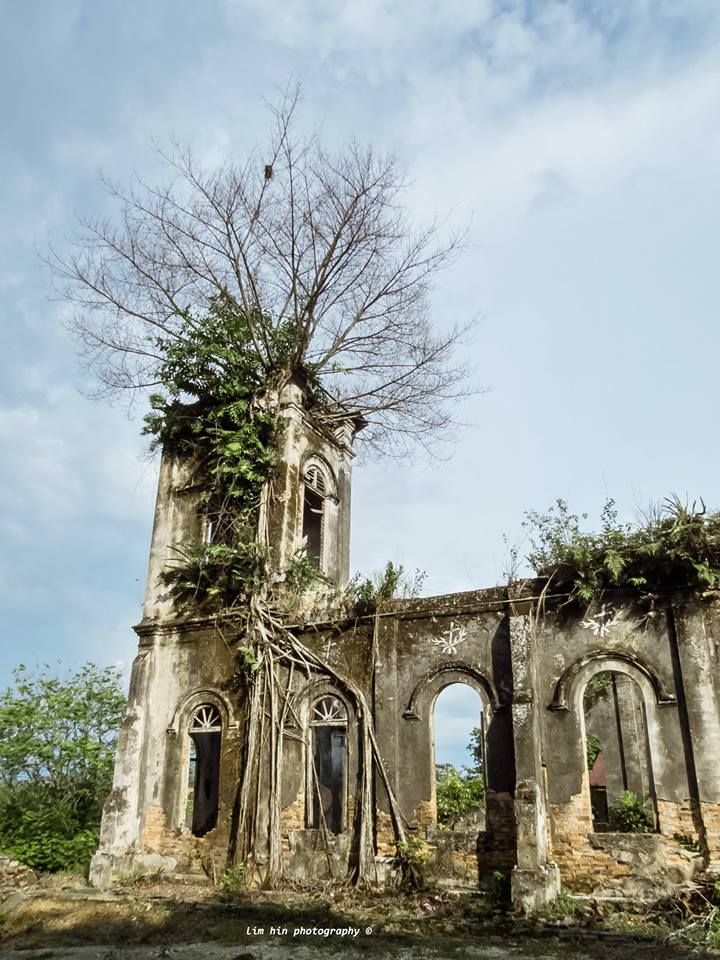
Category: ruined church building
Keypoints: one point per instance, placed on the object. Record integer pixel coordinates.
(644, 690)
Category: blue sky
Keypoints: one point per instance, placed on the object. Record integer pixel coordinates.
(581, 138)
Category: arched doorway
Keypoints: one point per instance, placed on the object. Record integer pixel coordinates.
(460, 757)
(617, 752)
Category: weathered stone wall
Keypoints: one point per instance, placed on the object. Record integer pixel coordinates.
(15, 876)
(618, 635)
(645, 865)
(424, 646)
(180, 666)
(183, 663)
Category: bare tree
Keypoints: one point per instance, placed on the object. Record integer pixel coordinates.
(303, 237)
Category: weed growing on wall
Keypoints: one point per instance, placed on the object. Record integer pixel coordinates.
(675, 545)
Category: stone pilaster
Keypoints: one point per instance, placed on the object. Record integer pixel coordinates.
(535, 879)
(120, 830)
(697, 668)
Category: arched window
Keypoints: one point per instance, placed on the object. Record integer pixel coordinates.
(327, 764)
(316, 489)
(460, 757)
(204, 736)
(622, 795)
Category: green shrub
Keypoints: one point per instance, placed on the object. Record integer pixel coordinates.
(413, 858)
(593, 749)
(57, 750)
(565, 906)
(630, 814)
(597, 688)
(40, 847)
(385, 584)
(498, 888)
(674, 545)
(458, 793)
(234, 880)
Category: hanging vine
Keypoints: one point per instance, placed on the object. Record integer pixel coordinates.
(219, 410)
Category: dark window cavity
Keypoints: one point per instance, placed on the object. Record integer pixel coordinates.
(205, 733)
(328, 764)
(313, 526)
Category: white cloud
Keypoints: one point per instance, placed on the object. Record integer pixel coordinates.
(68, 459)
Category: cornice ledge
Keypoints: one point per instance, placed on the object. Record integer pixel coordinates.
(150, 628)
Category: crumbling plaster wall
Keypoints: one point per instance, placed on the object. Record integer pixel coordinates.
(618, 635)
(424, 646)
(694, 630)
(177, 519)
(349, 652)
(179, 667)
(143, 825)
(531, 670)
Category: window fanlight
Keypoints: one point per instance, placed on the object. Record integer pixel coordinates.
(315, 478)
(329, 710)
(206, 719)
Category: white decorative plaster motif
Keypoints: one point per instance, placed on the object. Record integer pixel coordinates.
(450, 639)
(521, 713)
(603, 621)
(520, 638)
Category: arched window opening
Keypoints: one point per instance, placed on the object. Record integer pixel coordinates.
(204, 735)
(313, 525)
(622, 795)
(327, 767)
(460, 757)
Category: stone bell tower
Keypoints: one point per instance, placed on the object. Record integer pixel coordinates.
(181, 709)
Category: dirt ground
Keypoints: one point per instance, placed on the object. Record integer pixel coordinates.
(64, 920)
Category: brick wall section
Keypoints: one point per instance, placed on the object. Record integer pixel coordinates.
(384, 835)
(292, 817)
(677, 819)
(497, 844)
(154, 828)
(425, 814)
(423, 819)
(206, 854)
(625, 863)
(15, 875)
(580, 863)
(711, 819)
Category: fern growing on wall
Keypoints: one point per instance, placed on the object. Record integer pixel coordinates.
(675, 545)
